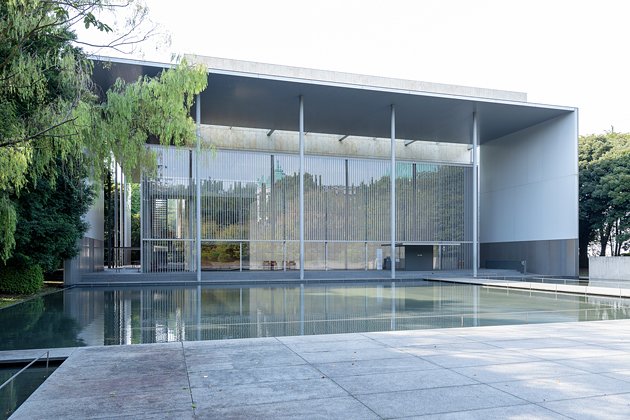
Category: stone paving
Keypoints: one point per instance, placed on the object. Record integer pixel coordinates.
(578, 370)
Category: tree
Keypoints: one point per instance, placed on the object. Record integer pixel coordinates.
(49, 218)
(50, 108)
(604, 198)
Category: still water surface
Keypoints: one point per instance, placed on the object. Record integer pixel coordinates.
(108, 316)
(23, 386)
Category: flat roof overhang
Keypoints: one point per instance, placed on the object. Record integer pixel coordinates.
(269, 102)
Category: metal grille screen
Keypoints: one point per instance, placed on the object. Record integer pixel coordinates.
(254, 198)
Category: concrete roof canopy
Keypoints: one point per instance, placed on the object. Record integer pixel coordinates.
(255, 95)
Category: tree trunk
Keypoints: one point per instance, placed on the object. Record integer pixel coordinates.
(613, 235)
(604, 236)
(583, 241)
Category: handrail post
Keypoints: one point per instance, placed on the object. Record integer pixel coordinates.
(11, 395)
(47, 360)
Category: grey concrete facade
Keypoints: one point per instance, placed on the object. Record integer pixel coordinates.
(280, 141)
(528, 197)
(550, 257)
(527, 170)
(89, 260)
(354, 79)
(610, 268)
(91, 247)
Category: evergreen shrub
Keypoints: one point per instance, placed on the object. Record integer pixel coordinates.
(21, 279)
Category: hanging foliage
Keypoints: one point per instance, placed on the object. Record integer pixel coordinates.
(50, 108)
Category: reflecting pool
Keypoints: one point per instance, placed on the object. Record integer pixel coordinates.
(108, 316)
(23, 386)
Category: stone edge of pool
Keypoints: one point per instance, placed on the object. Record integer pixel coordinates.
(543, 287)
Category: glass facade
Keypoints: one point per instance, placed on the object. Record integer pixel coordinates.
(250, 211)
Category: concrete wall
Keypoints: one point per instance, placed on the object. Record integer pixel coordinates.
(94, 217)
(91, 253)
(237, 138)
(89, 260)
(528, 187)
(611, 268)
(275, 70)
(557, 257)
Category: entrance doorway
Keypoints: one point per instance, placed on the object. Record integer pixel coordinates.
(419, 257)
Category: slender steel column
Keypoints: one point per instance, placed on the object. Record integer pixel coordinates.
(272, 200)
(393, 187)
(141, 232)
(123, 228)
(346, 218)
(110, 203)
(116, 220)
(301, 187)
(475, 197)
(414, 188)
(191, 213)
(198, 186)
(240, 256)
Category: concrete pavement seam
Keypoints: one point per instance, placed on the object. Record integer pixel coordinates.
(331, 379)
(192, 400)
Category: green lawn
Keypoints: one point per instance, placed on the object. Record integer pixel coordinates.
(6, 299)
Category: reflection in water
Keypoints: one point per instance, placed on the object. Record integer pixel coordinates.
(39, 323)
(23, 386)
(82, 316)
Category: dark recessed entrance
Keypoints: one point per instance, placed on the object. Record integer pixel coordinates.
(419, 257)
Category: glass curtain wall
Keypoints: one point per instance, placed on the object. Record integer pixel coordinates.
(250, 211)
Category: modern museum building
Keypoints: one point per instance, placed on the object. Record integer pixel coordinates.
(302, 169)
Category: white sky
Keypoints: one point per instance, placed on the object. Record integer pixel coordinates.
(558, 52)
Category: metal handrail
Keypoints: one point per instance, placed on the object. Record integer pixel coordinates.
(573, 282)
(541, 279)
(10, 380)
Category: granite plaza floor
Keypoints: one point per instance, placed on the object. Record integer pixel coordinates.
(578, 370)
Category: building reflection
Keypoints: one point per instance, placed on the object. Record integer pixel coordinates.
(155, 315)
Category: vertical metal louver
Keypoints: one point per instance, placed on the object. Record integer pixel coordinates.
(252, 198)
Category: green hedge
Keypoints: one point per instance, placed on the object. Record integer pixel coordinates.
(21, 279)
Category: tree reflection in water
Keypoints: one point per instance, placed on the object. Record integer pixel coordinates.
(39, 323)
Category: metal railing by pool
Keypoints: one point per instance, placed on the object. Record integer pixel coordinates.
(12, 378)
(552, 280)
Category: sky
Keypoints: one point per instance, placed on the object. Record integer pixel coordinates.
(559, 52)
